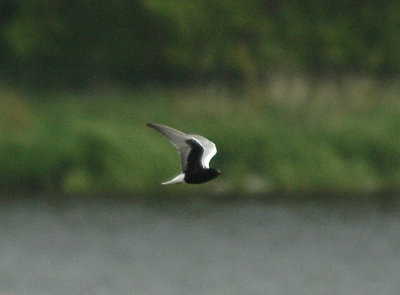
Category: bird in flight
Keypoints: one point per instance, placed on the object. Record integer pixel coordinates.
(195, 151)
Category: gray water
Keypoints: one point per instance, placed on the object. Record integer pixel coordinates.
(198, 248)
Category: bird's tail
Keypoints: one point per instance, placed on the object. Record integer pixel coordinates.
(178, 179)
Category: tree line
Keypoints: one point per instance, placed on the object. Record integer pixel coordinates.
(73, 43)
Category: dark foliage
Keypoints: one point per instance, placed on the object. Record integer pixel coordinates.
(73, 43)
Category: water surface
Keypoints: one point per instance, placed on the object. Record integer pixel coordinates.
(198, 248)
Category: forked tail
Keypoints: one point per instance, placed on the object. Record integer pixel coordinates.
(178, 179)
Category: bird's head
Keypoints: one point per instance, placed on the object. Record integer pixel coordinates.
(215, 172)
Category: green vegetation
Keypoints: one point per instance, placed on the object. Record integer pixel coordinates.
(76, 43)
(275, 132)
(288, 137)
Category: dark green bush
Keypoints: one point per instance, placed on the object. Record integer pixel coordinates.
(87, 41)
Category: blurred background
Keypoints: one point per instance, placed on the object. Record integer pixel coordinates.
(301, 99)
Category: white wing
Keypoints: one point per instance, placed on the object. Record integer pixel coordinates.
(177, 138)
(209, 149)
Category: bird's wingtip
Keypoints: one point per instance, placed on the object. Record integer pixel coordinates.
(151, 125)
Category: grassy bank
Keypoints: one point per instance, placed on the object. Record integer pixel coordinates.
(288, 137)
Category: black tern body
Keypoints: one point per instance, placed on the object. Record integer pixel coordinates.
(195, 151)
